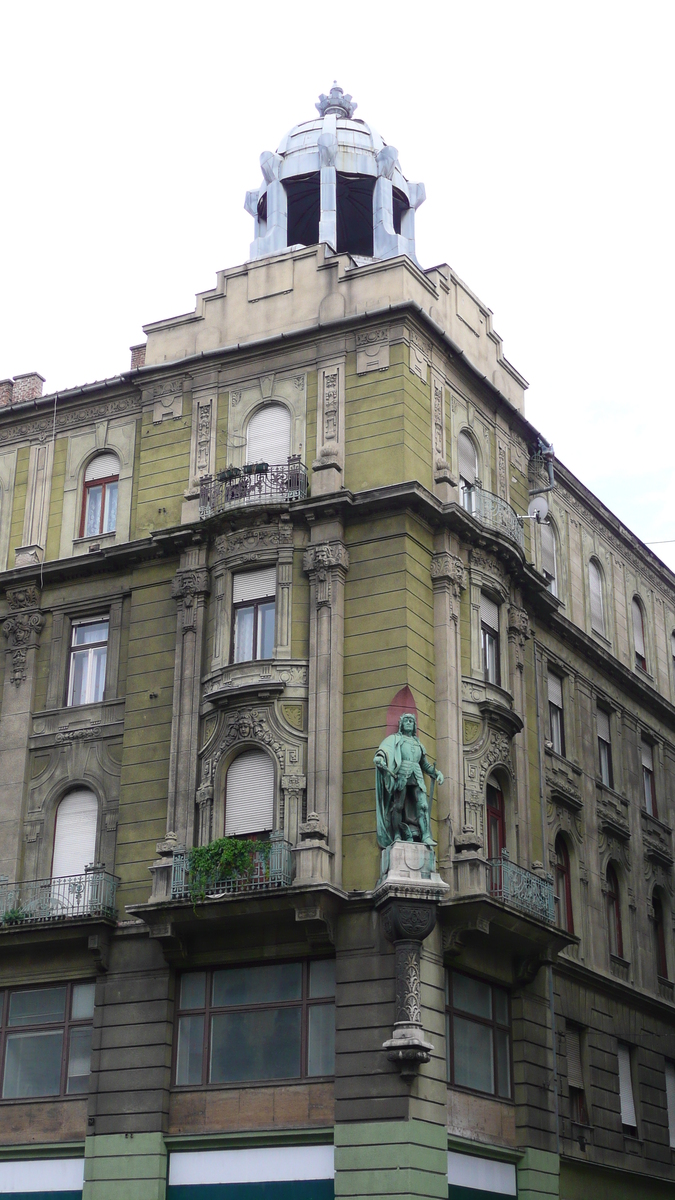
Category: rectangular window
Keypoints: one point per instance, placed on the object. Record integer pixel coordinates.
(489, 627)
(88, 657)
(478, 1037)
(648, 778)
(628, 1118)
(670, 1099)
(253, 613)
(273, 1021)
(605, 748)
(575, 1078)
(46, 1040)
(555, 713)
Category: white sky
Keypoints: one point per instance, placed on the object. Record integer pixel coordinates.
(129, 133)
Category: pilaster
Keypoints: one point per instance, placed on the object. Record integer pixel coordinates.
(328, 467)
(448, 578)
(22, 629)
(326, 563)
(190, 589)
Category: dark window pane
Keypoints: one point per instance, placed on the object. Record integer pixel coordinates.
(304, 206)
(322, 978)
(503, 1064)
(190, 1049)
(33, 1064)
(354, 196)
(471, 995)
(474, 1066)
(79, 1060)
(321, 1043)
(82, 1007)
(193, 990)
(38, 1007)
(266, 984)
(501, 1006)
(255, 1045)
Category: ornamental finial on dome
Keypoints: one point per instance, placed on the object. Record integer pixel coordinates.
(336, 102)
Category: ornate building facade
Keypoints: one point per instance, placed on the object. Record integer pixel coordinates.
(227, 574)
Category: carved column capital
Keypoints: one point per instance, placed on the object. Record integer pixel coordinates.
(447, 568)
(22, 628)
(190, 589)
(320, 562)
(519, 632)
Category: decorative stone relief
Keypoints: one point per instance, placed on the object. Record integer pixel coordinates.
(447, 571)
(407, 924)
(502, 471)
(319, 561)
(490, 567)
(293, 791)
(519, 632)
(612, 814)
(250, 542)
(420, 355)
(480, 758)
(22, 629)
(657, 841)
(372, 351)
(203, 455)
(187, 587)
(167, 400)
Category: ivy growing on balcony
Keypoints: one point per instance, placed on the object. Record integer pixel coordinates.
(226, 858)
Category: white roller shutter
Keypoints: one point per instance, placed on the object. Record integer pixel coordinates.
(489, 613)
(638, 630)
(102, 467)
(603, 725)
(575, 1077)
(468, 468)
(670, 1095)
(626, 1087)
(647, 756)
(249, 794)
(548, 550)
(75, 834)
(268, 438)
(555, 694)
(254, 585)
(597, 610)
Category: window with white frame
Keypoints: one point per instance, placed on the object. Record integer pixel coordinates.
(468, 471)
(556, 713)
(268, 436)
(648, 789)
(605, 748)
(597, 605)
(639, 635)
(549, 563)
(489, 633)
(99, 500)
(249, 794)
(626, 1093)
(88, 658)
(253, 612)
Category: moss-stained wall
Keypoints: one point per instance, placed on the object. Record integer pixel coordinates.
(19, 505)
(388, 643)
(147, 728)
(56, 500)
(163, 473)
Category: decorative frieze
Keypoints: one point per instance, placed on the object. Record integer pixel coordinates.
(372, 351)
(245, 544)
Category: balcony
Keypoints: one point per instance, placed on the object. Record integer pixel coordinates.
(50, 901)
(521, 889)
(256, 483)
(495, 514)
(269, 867)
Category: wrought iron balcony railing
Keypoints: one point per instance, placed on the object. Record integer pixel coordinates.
(495, 514)
(257, 483)
(271, 868)
(41, 901)
(532, 894)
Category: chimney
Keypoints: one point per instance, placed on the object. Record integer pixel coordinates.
(27, 387)
(6, 387)
(138, 355)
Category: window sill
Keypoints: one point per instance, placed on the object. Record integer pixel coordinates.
(467, 1091)
(5, 1101)
(293, 1081)
(100, 541)
(620, 967)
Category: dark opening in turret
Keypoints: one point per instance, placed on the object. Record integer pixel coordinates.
(355, 214)
(304, 209)
(400, 206)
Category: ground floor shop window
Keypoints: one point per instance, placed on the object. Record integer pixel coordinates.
(478, 1035)
(46, 1040)
(268, 1021)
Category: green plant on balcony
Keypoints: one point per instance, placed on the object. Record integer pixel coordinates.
(226, 858)
(14, 916)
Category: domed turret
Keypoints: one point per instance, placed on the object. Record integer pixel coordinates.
(333, 179)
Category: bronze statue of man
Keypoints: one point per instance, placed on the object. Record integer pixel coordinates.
(402, 804)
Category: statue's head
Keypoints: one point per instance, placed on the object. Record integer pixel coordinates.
(408, 724)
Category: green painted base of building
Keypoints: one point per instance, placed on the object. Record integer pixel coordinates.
(315, 1189)
(125, 1167)
(538, 1175)
(405, 1159)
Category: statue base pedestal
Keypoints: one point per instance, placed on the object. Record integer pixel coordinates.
(406, 863)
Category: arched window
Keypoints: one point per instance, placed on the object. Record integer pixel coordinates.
(563, 886)
(659, 938)
(468, 471)
(99, 500)
(496, 829)
(249, 794)
(639, 635)
(268, 437)
(613, 901)
(549, 563)
(597, 606)
(75, 833)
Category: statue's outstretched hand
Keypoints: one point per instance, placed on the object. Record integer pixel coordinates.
(439, 777)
